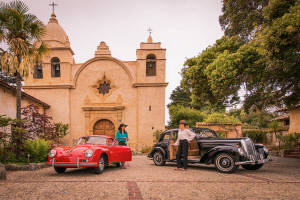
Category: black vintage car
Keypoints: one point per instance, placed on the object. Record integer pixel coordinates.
(208, 148)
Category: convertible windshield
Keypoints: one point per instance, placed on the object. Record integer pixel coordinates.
(92, 140)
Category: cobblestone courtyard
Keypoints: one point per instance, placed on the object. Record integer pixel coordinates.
(279, 179)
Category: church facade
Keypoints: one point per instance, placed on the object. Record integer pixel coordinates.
(94, 97)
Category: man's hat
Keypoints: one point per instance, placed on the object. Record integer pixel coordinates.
(182, 122)
(122, 124)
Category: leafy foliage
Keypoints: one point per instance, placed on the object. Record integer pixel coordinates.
(199, 71)
(221, 118)
(21, 31)
(180, 96)
(34, 126)
(257, 59)
(156, 135)
(37, 149)
(191, 116)
(41, 125)
(146, 149)
(7, 147)
(242, 17)
(256, 135)
(290, 140)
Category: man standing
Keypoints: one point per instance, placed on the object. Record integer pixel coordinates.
(183, 139)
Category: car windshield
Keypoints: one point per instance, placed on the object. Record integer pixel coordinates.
(92, 140)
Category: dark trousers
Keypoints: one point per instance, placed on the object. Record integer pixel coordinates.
(122, 143)
(182, 153)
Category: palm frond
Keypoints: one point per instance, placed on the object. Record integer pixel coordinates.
(20, 6)
(20, 30)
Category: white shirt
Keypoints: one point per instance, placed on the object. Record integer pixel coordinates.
(186, 134)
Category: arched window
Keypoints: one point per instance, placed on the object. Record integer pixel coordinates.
(55, 67)
(151, 65)
(38, 71)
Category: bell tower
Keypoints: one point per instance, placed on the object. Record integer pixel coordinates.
(151, 62)
(150, 86)
(56, 66)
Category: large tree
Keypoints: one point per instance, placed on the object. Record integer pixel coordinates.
(261, 61)
(180, 96)
(21, 31)
(242, 17)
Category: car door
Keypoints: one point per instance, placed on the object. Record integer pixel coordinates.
(115, 151)
(172, 139)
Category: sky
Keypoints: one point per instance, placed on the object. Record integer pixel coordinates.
(184, 28)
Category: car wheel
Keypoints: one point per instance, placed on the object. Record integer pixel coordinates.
(100, 168)
(252, 167)
(225, 163)
(158, 159)
(60, 169)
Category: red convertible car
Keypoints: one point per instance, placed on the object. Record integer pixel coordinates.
(96, 151)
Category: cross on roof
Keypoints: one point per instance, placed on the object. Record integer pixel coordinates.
(53, 5)
(149, 30)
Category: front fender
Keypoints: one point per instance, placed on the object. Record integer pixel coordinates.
(99, 151)
(209, 156)
(150, 155)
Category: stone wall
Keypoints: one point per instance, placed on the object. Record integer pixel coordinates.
(231, 130)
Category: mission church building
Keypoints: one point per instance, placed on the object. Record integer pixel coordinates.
(94, 97)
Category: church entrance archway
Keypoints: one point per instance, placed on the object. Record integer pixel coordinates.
(104, 127)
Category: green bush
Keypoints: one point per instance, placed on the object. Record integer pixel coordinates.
(156, 135)
(191, 116)
(256, 135)
(222, 134)
(290, 140)
(221, 118)
(37, 149)
(146, 149)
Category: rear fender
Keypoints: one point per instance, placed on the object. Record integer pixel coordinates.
(209, 156)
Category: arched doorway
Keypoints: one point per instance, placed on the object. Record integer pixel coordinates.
(104, 127)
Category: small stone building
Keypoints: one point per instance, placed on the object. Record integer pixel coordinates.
(94, 97)
(8, 101)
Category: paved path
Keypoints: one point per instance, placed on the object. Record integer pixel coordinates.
(279, 179)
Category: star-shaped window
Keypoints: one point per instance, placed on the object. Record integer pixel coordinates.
(104, 88)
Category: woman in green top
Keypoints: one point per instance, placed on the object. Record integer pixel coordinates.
(122, 137)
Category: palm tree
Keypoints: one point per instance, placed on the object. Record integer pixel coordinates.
(21, 31)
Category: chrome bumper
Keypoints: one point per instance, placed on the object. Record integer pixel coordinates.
(253, 162)
(76, 164)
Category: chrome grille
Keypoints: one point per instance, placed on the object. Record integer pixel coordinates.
(249, 148)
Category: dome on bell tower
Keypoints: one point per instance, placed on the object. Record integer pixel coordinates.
(55, 35)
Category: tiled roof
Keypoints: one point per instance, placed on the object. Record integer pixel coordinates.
(24, 94)
(281, 117)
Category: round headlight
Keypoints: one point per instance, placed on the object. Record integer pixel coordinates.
(241, 151)
(52, 153)
(88, 153)
(266, 150)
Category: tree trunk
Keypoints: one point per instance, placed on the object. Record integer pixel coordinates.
(18, 113)
(18, 95)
